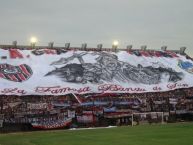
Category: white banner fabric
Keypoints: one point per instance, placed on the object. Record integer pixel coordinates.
(59, 72)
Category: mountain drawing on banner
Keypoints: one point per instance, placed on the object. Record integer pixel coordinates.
(15, 73)
(108, 68)
(186, 65)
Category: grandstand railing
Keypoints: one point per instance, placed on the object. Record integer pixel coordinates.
(27, 47)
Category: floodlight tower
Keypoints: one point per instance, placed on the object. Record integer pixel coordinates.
(33, 42)
(115, 45)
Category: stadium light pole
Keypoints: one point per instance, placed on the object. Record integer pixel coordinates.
(164, 48)
(67, 45)
(33, 41)
(182, 50)
(83, 47)
(99, 47)
(129, 47)
(51, 45)
(143, 47)
(115, 45)
(14, 43)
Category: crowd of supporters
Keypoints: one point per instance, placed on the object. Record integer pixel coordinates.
(30, 109)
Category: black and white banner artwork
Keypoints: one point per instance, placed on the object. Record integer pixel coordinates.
(58, 72)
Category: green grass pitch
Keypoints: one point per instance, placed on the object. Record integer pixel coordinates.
(168, 134)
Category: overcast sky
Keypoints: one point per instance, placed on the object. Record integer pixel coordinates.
(138, 22)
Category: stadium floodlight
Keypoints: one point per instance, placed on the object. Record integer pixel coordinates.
(99, 46)
(83, 47)
(50, 44)
(33, 41)
(67, 45)
(144, 47)
(164, 48)
(14, 43)
(115, 45)
(182, 50)
(129, 47)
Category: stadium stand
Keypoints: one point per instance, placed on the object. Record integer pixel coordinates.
(99, 88)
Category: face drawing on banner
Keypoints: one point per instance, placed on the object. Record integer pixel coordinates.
(109, 69)
(18, 73)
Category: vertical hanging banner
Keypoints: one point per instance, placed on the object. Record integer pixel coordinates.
(59, 72)
(1, 123)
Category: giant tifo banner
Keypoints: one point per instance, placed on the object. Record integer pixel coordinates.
(58, 72)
